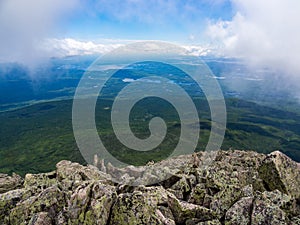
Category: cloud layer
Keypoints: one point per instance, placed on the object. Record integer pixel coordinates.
(24, 24)
(27, 26)
(69, 47)
(264, 33)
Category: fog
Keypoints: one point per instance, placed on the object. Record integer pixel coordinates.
(25, 24)
(263, 33)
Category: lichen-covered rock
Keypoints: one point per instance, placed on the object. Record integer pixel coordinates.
(197, 194)
(166, 220)
(73, 174)
(267, 208)
(294, 221)
(41, 218)
(237, 188)
(238, 168)
(240, 212)
(40, 181)
(8, 183)
(280, 172)
(142, 206)
(50, 200)
(133, 209)
(8, 201)
(91, 203)
(183, 211)
(209, 222)
(224, 199)
(102, 199)
(78, 203)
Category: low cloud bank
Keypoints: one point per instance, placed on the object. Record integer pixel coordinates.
(263, 33)
(25, 24)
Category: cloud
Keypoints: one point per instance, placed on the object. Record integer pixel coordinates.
(25, 23)
(69, 47)
(197, 50)
(27, 26)
(263, 33)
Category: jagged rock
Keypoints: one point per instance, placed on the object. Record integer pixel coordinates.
(134, 208)
(166, 212)
(40, 181)
(280, 172)
(181, 188)
(165, 220)
(8, 183)
(98, 207)
(196, 222)
(102, 166)
(50, 200)
(267, 208)
(41, 218)
(247, 190)
(77, 172)
(237, 188)
(182, 211)
(78, 203)
(72, 174)
(141, 207)
(240, 212)
(224, 199)
(197, 194)
(295, 221)
(238, 168)
(8, 201)
(211, 222)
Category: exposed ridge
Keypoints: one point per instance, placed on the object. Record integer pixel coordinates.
(239, 187)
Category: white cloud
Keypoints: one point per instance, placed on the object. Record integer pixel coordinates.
(197, 50)
(25, 23)
(265, 33)
(69, 46)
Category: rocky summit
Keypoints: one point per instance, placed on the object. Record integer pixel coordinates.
(238, 187)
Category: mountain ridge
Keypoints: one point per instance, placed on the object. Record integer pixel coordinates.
(238, 187)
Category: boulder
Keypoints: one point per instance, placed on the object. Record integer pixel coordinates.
(183, 211)
(8, 183)
(268, 208)
(281, 173)
(133, 209)
(240, 212)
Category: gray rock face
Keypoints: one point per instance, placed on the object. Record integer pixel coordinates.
(237, 188)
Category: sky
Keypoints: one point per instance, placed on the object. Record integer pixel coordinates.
(263, 33)
(32, 29)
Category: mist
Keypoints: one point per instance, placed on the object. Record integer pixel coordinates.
(25, 24)
(264, 34)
